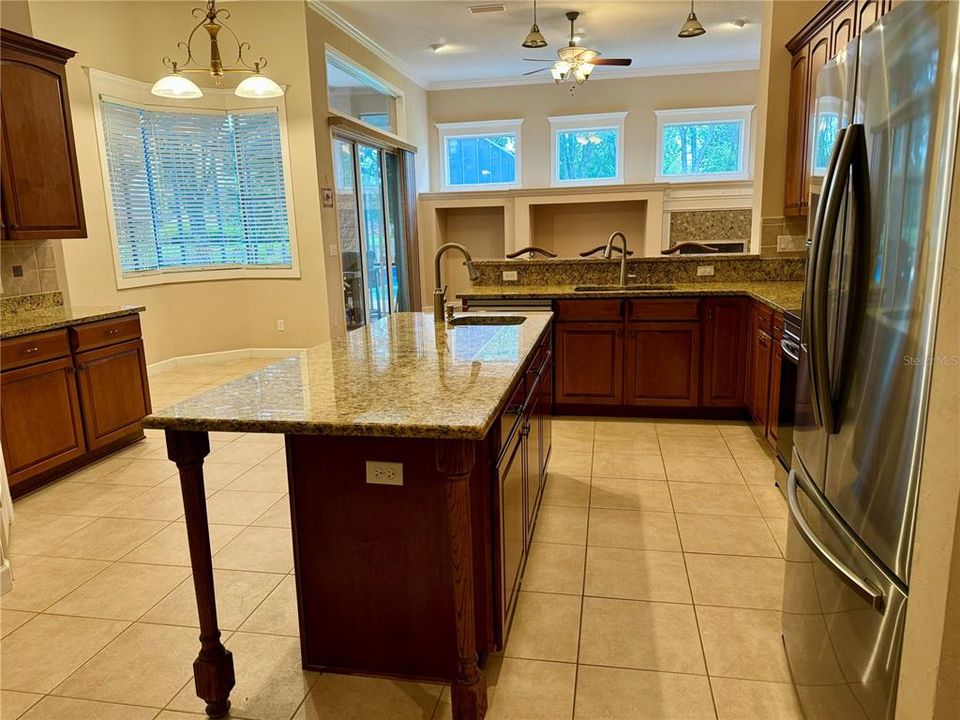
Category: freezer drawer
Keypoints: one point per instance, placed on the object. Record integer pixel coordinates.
(842, 613)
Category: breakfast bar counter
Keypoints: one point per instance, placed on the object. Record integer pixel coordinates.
(416, 455)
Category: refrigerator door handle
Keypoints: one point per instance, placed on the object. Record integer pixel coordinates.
(808, 331)
(863, 587)
(828, 236)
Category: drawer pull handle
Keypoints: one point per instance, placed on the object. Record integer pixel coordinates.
(114, 331)
(30, 350)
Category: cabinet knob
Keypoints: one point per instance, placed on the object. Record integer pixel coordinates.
(14, 226)
(30, 350)
(82, 367)
(114, 331)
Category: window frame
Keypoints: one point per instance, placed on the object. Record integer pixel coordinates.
(726, 113)
(349, 65)
(593, 121)
(479, 128)
(106, 86)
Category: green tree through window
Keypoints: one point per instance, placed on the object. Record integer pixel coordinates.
(589, 154)
(708, 148)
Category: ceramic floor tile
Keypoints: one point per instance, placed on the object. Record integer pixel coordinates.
(566, 490)
(567, 525)
(14, 704)
(633, 529)
(239, 508)
(238, 594)
(275, 440)
(141, 471)
(625, 428)
(554, 568)
(770, 501)
(259, 550)
(574, 463)
(271, 683)
(570, 445)
(629, 494)
(59, 708)
(694, 446)
(95, 470)
(721, 535)
(169, 546)
(216, 476)
(277, 458)
(241, 452)
(643, 442)
(41, 581)
(690, 428)
(713, 499)
(778, 528)
(276, 516)
(758, 472)
(177, 715)
(159, 503)
(745, 582)
(621, 464)
(743, 644)
(261, 478)
(277, 614)
(10, 620)
(117, 673)
(90, 499)
(36, 533)
(149, 444)
(734, 430)
(702, 470)
(748, 448)
(640, 635)
(636, 575)
(352, 697)
(124, 591)
(608, 693)
(107, 538)
(34, 662)
(738, 699)
(545, 627)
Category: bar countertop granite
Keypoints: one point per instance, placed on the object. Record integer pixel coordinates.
(778, 295)
(15, 323)
(402, 376)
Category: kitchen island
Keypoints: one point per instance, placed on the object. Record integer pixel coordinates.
(416, 459)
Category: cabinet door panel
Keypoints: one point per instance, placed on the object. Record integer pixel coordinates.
(40, 419)
(762, 357)
(114, 392)
(724, 352)
(589, 363)
(796, 132)
(663, 364)
(819, 55)
(844, 28)
(868, 12)
(512, 529)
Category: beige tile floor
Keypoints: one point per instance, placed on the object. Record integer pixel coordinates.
(652, 589)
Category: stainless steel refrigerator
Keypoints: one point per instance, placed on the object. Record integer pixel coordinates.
(885, 132)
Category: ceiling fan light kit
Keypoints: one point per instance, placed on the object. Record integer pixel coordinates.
(692, 27)
(534, 38)
(211, 19)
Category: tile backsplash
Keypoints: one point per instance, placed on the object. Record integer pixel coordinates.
(771, 228)
(28, 267)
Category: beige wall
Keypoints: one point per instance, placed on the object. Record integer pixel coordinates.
(535, 103)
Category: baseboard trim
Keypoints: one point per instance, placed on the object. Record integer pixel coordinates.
(199, 359)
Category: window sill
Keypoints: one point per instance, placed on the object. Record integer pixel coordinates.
(188, 276)
(586, 182)
(480, 188)
(703, 179)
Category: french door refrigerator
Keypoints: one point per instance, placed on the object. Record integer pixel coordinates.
(884, 136)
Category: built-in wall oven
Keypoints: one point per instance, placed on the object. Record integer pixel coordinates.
(786, 415)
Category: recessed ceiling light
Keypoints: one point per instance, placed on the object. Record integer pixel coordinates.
(438, 46)
(739, 24)
(480, 9)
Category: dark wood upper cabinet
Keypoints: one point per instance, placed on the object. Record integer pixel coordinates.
(725, 333)
(589, 368)
(663, 364)
(817, 58)
(38, 160)
(794, 201)
(844, 27)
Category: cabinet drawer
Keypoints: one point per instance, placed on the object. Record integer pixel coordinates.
(31, 349)
(663, 309)
(590, 310)
(510, 418)
(106, 332)
(763, 318)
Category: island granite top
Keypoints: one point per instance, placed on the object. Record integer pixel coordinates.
(403, 376)
(15, 323)
(780, 295)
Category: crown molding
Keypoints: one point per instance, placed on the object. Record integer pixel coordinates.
(367, 42)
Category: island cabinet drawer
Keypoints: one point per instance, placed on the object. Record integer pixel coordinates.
(589, 310)
(31, 349)
(654, 309)
(105, 332)
(763, 318)
(512, 412)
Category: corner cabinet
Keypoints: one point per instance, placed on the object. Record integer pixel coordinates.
(39, 180)
(821, 38)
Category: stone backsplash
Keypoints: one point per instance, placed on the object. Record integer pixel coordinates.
(709, 225)
(565, 271)
(28, 267)
(29, 303)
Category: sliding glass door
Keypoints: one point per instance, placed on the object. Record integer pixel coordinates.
(370, 202)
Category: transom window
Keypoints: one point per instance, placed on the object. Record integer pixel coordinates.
(356, 92)
(587, 149)
(480, 155)
(702, 144)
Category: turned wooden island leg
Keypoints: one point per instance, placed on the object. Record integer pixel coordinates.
(213, 668)
(468, 693)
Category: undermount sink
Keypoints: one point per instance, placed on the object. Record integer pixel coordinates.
(615, 288)
(481, 319)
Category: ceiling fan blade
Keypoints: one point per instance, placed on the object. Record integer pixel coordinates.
(538, 60)
(534, 72)
(611, 61)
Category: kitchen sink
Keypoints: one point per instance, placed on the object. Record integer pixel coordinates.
(615, 288)
(482, 319)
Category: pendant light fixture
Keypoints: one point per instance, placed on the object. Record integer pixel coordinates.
(534, 38)
(177, 85)
(692, 27)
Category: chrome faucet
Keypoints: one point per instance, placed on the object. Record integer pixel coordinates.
(608, 251)
(439, 289)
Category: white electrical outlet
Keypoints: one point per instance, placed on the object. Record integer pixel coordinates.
(280, 326)
(384, 473)
(704, 270)
(791, 243)
(509, 275)
(332, 249)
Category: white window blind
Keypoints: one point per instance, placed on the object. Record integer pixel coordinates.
(196, 190)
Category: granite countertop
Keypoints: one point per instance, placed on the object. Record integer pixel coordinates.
(14, 323)
(778, 295)
(403, 376)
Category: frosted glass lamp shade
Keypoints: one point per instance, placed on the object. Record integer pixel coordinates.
(258, 86)
(176, 86)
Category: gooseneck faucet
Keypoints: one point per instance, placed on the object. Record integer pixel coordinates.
(439, 289)
(608, 251)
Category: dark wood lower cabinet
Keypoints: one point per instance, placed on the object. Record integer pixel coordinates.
(589, 362)
(513, 524)
(762, 355)
(662, 364)
(725, 330)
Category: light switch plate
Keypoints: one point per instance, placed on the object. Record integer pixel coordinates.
(704, 270)
(509, 275)
(384, 473)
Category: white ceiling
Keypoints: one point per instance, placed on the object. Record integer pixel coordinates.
(485, 48)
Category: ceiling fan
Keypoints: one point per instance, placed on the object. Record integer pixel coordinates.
(575, 63)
